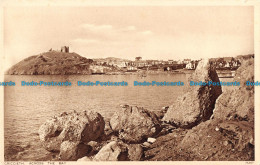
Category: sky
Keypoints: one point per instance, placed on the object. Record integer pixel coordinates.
(159, 32)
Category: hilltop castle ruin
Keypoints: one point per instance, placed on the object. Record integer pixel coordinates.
(64, 49)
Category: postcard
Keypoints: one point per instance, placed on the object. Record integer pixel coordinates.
(145, 81)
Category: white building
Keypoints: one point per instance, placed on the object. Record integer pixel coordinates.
(189, 66)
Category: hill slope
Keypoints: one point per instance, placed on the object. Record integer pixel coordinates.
(52, 63)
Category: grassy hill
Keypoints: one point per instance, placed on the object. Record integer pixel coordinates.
(52, 63)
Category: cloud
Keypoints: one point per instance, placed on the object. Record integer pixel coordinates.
(94, 27)
(147, 32)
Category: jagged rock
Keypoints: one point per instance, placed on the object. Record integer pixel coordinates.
(73, 151)
(75, 127)
(197, 103)
(113, 151)
(134, 124)
(238, 102)
(135, 152)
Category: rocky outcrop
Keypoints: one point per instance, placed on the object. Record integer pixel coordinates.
(197, 103)
(238, 102)
(134, 124)
(69, 130)
(228, 135)
(227, 140)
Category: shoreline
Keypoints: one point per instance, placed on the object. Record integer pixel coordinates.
(179, 71)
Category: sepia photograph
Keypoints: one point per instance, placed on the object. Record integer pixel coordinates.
(129, 83)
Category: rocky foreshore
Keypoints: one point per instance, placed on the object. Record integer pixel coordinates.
(205, 123)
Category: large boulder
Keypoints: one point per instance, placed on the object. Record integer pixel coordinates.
(238, 102)
(73, 151)
(134, 124)
(197, 102)
(74, 127)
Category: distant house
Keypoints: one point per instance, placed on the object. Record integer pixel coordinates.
(189, 66)
(192, 65)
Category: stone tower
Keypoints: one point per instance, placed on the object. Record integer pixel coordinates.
(65, 49)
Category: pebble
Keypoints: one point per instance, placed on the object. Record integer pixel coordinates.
(225, 143)
(151, 140)
(146, 144)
